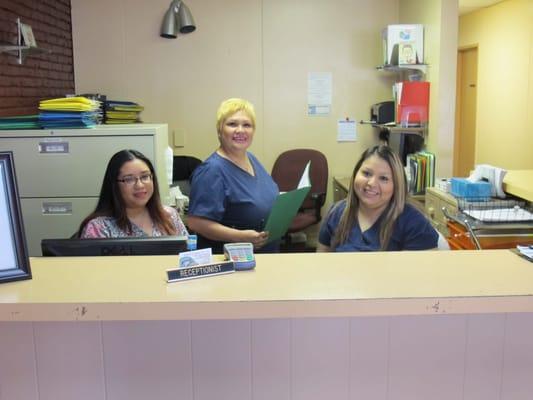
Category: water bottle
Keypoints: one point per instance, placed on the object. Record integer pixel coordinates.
(192, 241)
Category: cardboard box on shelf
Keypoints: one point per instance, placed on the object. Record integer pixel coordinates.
(395, 35)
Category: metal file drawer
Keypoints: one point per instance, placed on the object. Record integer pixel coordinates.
(53, 218)
(434, 202)
(69, 166)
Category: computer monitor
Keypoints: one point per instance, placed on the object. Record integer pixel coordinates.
(130, 246)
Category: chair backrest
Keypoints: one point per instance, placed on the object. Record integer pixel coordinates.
(183, 167)
(288, 169)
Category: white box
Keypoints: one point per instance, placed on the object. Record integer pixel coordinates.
(393, 35)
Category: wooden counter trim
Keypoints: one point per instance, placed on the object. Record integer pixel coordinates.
(263, 309)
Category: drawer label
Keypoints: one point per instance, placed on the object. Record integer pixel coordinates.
(53, 147)
(56, 208)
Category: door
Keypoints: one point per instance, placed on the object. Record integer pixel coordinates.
(465, 117)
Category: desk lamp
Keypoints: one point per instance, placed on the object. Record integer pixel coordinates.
(177, 18)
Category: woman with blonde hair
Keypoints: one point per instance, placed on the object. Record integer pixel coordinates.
(375, 215)
(231, 192)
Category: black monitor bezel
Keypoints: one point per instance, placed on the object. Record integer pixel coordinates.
(126, 246)
(9, 182)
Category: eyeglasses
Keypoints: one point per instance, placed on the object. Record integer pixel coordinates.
(132, 180)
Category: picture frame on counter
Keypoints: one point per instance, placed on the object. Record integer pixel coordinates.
(14, 263)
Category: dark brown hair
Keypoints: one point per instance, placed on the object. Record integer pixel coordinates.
(111, 203)
(393, 209)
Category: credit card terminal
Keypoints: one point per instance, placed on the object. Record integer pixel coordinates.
(242, 255)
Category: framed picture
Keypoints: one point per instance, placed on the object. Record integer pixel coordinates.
(28, 39)
(14, 262)
(406, 53)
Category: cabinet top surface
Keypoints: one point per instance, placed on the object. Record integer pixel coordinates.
(342, 181)
(126, 129)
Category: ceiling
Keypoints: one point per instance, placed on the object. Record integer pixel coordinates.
(467, 6)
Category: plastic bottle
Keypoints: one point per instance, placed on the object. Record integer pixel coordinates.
(192, 241)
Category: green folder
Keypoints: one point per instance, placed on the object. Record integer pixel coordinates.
(283, 212)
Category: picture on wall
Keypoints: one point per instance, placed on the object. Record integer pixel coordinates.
(28, 38)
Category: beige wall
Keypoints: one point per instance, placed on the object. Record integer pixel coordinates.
(504, 36)
(257, 49)
(440, 46)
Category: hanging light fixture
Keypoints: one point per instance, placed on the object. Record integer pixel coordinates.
(178, 18)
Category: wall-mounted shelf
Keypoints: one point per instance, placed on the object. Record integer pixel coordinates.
(419, 68)
(413, 130)
(20, 49)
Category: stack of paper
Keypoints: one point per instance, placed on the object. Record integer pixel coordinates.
(20, 122)
(122, 112)
(526, 252)
(69, 112)
(420, 171)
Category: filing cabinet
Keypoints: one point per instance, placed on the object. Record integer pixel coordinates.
(340, 188)
(59, 172)
(435, 200)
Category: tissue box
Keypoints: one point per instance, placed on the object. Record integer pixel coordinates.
(463, 188)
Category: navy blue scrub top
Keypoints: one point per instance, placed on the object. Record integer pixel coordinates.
(225, 193)
(412, 231)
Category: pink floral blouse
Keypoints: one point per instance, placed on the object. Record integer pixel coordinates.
(106, 227)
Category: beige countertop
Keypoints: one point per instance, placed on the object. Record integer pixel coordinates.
(281, 286)
(519, 183)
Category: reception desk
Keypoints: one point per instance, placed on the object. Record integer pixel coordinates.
(396, 325)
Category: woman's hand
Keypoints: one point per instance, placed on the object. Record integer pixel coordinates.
(258, 239)
(216, 231)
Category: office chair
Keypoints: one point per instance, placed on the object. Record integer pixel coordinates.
(286, 172)
(182, 169)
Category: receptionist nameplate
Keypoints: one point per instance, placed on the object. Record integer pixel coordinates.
(200, 271)
(53, 147)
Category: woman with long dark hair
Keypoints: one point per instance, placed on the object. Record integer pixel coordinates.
(129, 203)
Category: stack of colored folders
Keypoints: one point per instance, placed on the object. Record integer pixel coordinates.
(122, 112)
(420, 170)
(69, 112)
(20, 122)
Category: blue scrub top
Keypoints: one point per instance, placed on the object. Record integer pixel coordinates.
(412, 231)
(225, 193)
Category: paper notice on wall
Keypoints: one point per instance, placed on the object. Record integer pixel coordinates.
(319, 93)
(346, 130)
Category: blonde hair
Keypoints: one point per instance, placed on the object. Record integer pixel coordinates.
(230, 106)
(393, 209)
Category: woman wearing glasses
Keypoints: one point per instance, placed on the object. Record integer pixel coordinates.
(129, 203)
